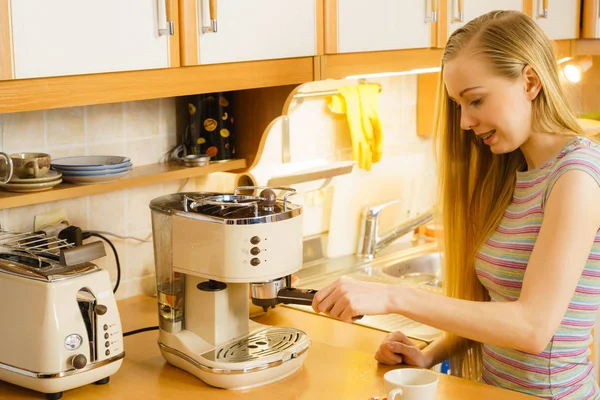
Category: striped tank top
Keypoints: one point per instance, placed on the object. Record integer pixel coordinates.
(562, 370)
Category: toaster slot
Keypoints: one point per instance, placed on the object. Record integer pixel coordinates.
(87, 302)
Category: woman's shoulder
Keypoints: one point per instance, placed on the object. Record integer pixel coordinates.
(580, 149)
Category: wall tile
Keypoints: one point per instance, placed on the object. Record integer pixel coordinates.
(141, 118)
(23, 132)
(141, 259)
(104, 122)
(138, 210)
(65, 126)
(107, 212)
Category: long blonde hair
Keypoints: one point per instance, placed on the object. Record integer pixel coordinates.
(475, 185)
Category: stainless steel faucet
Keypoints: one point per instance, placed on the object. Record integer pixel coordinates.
(370, 240)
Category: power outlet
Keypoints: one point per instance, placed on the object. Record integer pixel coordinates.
(52, 218)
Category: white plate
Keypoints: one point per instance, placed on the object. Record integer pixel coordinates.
(95, 172)
(30, 187)
(90, 162)
(86, 180)
(50, 176)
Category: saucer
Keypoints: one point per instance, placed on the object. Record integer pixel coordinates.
(50, 176)
(30, 187)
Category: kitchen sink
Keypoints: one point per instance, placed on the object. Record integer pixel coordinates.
(421, 269)
(416, 267)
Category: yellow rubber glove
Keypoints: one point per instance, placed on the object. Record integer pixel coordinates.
(369, 102)
(347, 102)
(360, 104)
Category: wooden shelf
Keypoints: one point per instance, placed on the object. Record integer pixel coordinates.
(139, 176)
(81, 90)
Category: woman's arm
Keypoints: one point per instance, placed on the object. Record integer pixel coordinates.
(571, 221)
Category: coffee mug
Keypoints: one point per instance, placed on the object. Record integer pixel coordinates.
(6, 168)
(30, 165)
(410, 384)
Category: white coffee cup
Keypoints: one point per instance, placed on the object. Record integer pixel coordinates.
(410, 384)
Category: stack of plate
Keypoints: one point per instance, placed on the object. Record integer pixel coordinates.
(92, 169)
(22, 185)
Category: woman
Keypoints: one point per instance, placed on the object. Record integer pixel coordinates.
(520, 205)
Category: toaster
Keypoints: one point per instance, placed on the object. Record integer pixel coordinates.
(60, 324)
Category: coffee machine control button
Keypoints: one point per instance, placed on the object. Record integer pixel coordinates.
(255, 251)
(255, 240)
(255, 261)
(79, 361)
(100, 309)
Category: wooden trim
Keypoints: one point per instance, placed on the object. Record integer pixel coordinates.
(578, 21)
(317, 68)
(585, 47)
(139, 176)
(563, 48)
(188, 34)
(320, 21)
(342, 65)
(442, 25)
(6, 59)
(331, 28)
(426, 102)
(173, 16)
(254, 111)
(590, 19)
(79, 90)
(528, 7)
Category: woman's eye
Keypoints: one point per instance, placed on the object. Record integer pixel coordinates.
(476, 102)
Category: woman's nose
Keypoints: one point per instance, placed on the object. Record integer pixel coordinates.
(467, 121)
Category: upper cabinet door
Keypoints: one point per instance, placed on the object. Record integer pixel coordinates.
(247, 30)
(70, 37)
(359, 25)
(461, 11)
(590, 25)
(558, 18)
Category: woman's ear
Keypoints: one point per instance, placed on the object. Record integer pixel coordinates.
(533, 85)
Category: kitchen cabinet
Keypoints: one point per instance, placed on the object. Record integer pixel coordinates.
(375, 25)
(459, 12)
(40, 38)
(590, 23)
(247, 30)
(558, 18)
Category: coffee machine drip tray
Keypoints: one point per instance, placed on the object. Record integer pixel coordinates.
(252, 360)
(261, 345)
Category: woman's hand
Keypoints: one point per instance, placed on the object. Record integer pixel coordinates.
(396, 348)
(347, 299)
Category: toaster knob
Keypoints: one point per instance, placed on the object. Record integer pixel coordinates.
(79, 361)
(100, 309)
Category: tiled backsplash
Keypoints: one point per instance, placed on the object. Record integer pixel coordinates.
(145, 131)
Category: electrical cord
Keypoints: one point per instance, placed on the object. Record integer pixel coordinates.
(112, 246)
(150, 328)
(145, 240)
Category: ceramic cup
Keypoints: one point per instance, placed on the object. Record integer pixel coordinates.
(30, 165)
(410, 384)
(6, 168)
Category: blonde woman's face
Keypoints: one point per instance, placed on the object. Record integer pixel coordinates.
(497, 109)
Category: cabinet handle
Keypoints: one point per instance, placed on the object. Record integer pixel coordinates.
(212, 10)
(544, 13)
(434, 12)
(461, 12)
(165, 27)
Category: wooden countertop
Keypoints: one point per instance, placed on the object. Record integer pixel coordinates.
(339, 365)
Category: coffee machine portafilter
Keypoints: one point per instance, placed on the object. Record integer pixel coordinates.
(211, 250)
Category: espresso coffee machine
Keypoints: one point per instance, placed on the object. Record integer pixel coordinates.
(211, 251)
